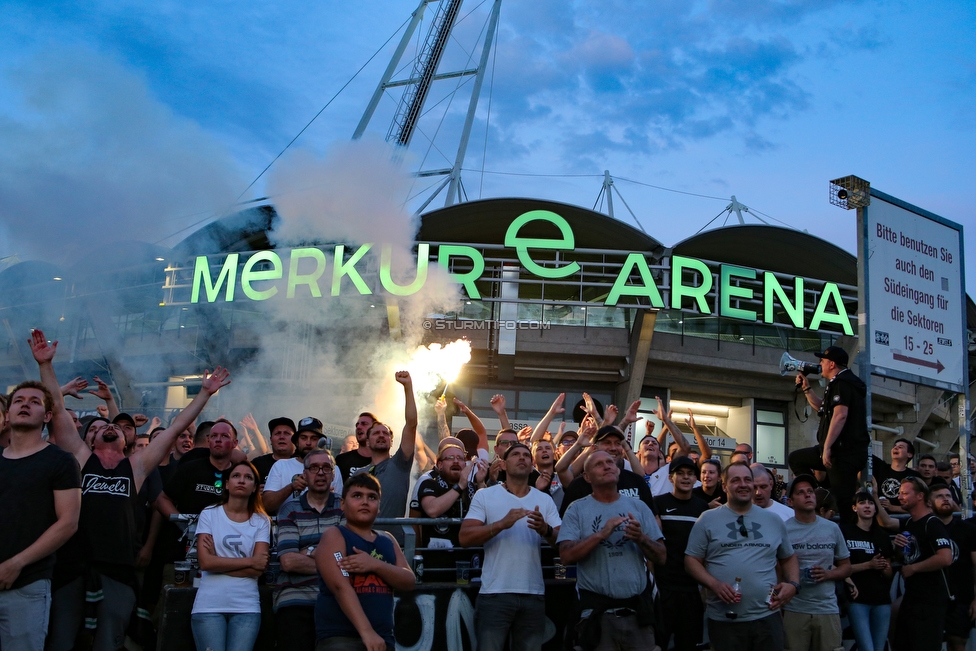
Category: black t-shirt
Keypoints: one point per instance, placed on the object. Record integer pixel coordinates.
(846, 389)
(960, 573)
(196, 485)
(263, 465)
(629, 483)
(889, 480)
(873, 587)
(195, 455)
(108, 505)
(27, 488)
(677, 519)
(699, 492)
(152, 486)
(435, 487)
(350, 462)
(928, 536)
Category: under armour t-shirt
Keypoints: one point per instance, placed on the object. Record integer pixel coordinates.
(746, 546)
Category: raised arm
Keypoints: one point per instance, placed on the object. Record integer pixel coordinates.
(498, 406)
(476, 424)
(703, 446)
(408, 444)
(62, 427)
(250, 426)
(145, 461)
(105, 394)
(543, 425)
(676, 434)
(440, 408)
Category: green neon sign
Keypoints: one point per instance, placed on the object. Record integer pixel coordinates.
(264, 274)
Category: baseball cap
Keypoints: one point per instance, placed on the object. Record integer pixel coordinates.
(124, 418)
(801, 479)
(310, 424)
(834, 354)
(281, 420)
(681, 462)
(607, 431)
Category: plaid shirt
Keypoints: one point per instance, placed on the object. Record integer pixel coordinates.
(299, 527)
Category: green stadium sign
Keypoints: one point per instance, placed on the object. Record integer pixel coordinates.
(306, 266)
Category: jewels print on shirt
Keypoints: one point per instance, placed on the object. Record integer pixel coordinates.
(117, 486)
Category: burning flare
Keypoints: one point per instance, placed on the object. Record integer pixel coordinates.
(431, 365)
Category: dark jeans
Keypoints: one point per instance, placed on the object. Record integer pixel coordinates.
(684, 618)
(764, 634)
(521, 617)
(296, 627)
(842, 475)
(921, 618)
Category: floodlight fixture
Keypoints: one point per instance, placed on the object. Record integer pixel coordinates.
(850, 192)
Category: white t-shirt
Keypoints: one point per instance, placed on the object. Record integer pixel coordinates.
(284, 469)
(513, 559)
(784, 512)
(220, 593)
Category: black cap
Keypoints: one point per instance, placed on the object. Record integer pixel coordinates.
(308, 424)
(834, 354)
(681, 462)
(281, 420)
(124, 417)
(802, 479)
(607, 431)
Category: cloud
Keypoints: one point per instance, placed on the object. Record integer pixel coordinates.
(91, 156)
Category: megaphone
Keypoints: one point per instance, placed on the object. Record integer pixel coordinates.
(789, 365)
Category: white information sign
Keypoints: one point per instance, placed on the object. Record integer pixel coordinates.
(915, 318)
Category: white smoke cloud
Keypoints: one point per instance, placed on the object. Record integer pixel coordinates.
(333, 357)
(89, 155)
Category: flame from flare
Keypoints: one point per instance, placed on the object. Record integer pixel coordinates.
(431, 365)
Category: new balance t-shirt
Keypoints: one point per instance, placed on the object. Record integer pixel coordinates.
(816, 544)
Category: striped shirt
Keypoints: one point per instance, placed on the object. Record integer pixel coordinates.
(300, 526)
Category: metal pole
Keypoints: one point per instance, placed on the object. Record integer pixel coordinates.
(418, 14)
(452, 191)
(864, 340)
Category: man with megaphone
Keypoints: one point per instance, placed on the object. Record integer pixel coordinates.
(842, 438)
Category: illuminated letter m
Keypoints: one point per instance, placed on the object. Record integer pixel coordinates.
(201, 275)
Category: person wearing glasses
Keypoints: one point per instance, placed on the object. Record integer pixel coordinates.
(734, 551)
(301, 522)
(505, 439)
(448, 493)
(286, 478)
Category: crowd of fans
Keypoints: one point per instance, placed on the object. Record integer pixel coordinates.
(671, 547)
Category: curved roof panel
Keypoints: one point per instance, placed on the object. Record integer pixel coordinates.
(774, 249)
(486, 221)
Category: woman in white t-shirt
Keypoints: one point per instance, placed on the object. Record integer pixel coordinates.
(232, 543)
